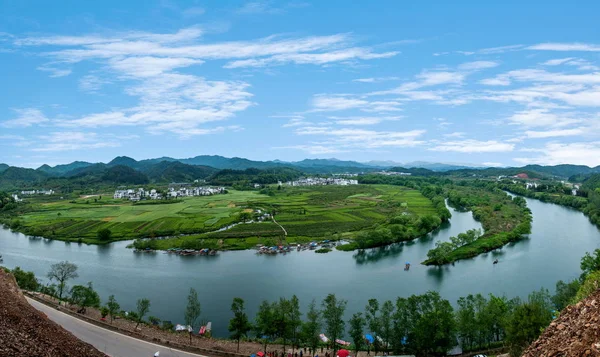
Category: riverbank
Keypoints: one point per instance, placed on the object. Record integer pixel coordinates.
(205, 345)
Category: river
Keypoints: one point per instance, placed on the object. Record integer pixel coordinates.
(560, 237)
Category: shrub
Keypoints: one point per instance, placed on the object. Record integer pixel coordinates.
(104, 311)
(154, 320)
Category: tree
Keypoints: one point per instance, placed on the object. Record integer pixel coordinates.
(590, 263)
(61, 272)
(113, 307)
(357, 324)
(192, 310)
(84, 297)
(264, 324)
(104, 234)
(312, 327)
(385, 322)
(465, 321)
(295, 319)
(432, 324)
(143, 306)
(373, 321)
(333, 313)
(239, 324)
(527, 321)
(565, 292)
(281, 319)
(25, 279)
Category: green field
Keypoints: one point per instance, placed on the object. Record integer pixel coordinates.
(306, 213)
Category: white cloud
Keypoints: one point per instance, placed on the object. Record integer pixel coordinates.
(311, 58)
(25, 118)
(351, 139)
(150, 66)
(73, 140)
(362, 120)
(579, 153)
(492, 164)
(330, 103)
(477, 65)
(557, 62)
(456, 134)
(375, 79)
(175, 103)
(555, 133)
(259, 7)
(496, 81)
(474, 146)
(541, 118)
(55, 72)
(585, 47)
(313, 149)
(92, 83)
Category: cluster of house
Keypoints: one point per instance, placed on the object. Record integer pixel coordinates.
(136, 195)
(322, 181)
(37, 192)
(16, 198)
(194, 191)
(140, 193)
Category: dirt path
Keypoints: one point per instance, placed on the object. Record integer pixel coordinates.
(280, 226)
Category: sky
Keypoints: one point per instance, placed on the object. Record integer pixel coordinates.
(494, 83)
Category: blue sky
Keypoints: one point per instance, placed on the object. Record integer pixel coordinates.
(481, 82)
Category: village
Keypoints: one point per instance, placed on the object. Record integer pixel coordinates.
(321, 181)
(172, 192)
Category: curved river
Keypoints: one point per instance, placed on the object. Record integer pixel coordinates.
(560, 237)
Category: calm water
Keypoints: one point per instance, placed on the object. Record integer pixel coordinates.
(560, 236)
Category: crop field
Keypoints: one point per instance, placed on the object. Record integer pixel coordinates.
(305, 213)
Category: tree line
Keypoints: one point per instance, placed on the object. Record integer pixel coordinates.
(424, 325)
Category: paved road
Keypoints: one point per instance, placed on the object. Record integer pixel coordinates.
(112, 343)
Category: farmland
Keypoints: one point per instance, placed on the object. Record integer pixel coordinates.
(306, 213)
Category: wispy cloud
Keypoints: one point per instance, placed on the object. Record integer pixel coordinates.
(564, 47)
(72, 140)
(26, 117)
(474, 146)
(577, 153)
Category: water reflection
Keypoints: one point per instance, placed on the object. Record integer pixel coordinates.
(376, 254)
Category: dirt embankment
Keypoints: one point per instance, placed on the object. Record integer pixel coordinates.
(576, 332)
(24, 331)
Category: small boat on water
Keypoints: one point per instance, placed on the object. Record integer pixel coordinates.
(406, 266)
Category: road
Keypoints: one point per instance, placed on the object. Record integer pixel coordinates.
(112, 343)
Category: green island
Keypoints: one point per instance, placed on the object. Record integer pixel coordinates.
(302, 214)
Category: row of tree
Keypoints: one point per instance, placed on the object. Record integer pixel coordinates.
(420, 324)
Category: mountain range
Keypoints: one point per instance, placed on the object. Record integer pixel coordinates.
(123, 170)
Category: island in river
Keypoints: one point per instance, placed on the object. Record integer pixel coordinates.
(240, 219)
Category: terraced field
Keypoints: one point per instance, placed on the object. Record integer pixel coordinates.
(306, 213)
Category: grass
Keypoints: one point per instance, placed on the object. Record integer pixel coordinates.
(306, 213)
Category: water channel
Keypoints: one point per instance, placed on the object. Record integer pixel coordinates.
(560, 237)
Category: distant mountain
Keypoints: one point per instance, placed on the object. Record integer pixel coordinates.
(123, 161)
(3, 167)
(236, 163)
(17, 177)
(418, 171)
(121, 174)
(175, 171)
(433, 166)
(60, 170)
(328, 163)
